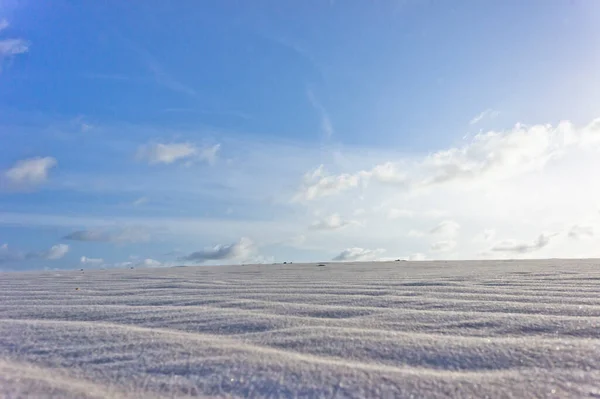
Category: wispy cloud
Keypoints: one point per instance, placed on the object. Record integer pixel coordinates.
(3, 24)
(155, 153)
(415, 233)
(140, 201)
(486, 235)
(445, 229)
(443, 246)
(395, 213)
(581, 232)
(165, 79)
(448, 228)
(30, 172)
(11, 47)
(326, 125)
(159, 73)
(488, 113)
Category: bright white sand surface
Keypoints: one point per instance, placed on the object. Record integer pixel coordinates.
(518, 329)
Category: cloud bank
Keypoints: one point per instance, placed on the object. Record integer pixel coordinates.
(239, 250)
(358, 254)
(126, 235)
(8, 254)
(515, 247)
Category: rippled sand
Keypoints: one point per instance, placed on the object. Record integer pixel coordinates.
(399, 329)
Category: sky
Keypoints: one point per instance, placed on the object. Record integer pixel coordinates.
(136, 134)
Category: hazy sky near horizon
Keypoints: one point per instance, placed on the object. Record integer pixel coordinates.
(160, 133)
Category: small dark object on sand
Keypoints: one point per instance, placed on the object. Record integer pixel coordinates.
(321, 264)
(77, 289)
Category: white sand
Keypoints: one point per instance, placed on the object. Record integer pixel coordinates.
(400, 329)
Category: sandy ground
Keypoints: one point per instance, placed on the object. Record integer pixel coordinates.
(494, 329)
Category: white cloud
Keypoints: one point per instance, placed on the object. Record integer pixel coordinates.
(30, 172)
(394, 213)
(318, 184)
(155, 153)
(491, 156)
(581, 232)
(516, 247)
(417, 257)
(443, 246)
(447, 228)
(239, 250)
(84, 260)
(488, 113)
(332, 222)
(57, 252)
(149, 263)
(261, 178)
(358, 254)
(487, 158)
(11, 47)
(125, 235)
(386, 172)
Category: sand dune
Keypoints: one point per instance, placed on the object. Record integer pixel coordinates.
(399, 329)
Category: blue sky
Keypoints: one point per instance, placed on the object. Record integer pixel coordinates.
(155, 133)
